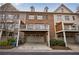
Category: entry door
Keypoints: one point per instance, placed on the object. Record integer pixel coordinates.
(35, 38)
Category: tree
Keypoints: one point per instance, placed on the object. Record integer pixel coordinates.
(4, 9)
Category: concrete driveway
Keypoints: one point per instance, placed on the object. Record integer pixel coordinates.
(74, 47)
(44, 48)
(29, 48)
(34, 47)
(39, 48)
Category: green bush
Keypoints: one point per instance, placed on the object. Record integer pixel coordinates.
(4, 43)
(55, 42)
(10, 40)
(7, 42)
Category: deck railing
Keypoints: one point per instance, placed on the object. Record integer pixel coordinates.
(71, 28)
(34, 27)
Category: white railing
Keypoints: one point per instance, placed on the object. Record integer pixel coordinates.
(7, 27)
(71, 28)
(34, 27)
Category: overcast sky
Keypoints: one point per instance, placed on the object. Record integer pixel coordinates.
(40, 6)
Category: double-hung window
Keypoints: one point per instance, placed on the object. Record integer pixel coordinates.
(73, 17)
(67, 18)
(31, 16)
(59, 17)
(39, 17)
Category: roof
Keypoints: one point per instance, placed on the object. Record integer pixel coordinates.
(8, 7)
(62, 5)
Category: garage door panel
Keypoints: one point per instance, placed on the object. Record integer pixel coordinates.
(33, 39)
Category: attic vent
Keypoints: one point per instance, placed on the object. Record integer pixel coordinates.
(62, 9)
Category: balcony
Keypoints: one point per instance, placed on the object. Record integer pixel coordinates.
(71, 28)
(34, 27)
(9, 27)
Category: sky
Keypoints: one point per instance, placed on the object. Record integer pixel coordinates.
(40, 6)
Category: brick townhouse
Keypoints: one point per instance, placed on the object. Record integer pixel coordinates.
(29, 27)
(66, 25)
(39, 27)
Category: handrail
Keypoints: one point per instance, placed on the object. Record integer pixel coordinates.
(34, 27)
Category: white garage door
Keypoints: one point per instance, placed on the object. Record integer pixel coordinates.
(35, 39)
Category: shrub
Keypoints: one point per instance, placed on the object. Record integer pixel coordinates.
(55, 42)
(7, 42)
(10, 40)
(4, 43)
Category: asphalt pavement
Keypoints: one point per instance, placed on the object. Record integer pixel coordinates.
(39, 53)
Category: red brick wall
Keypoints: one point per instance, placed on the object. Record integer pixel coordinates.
(49, 21)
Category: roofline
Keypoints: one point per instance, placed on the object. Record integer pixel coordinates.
(10, 4)
(64, 6)
(37, 12)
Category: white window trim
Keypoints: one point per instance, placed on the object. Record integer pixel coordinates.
(39, 17)
(66, 18)
(31, 16)
(59, 18)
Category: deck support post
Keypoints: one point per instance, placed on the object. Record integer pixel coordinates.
(48, 36)
(17, 41)
(64, 34)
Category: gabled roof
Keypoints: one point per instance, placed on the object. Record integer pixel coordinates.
(65, 7)
(8, 7)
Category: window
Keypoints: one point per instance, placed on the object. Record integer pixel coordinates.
(58, 17)
(10, 16)
(73, 17)
(66, 27)
(39, 17)
(31, 17)
(11, 26)
(16, 26)
(10, 34)
(3, 16)
(16, 16)
(66, 17)
(36, 26)
(45, 17)
(30, 26)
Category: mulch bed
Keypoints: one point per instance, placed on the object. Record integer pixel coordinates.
(60, 48)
